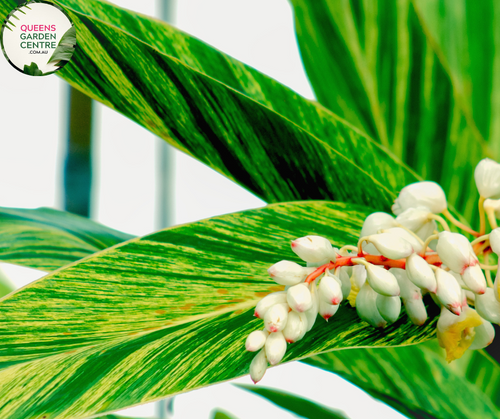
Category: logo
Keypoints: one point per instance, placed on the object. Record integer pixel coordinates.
(38, 38)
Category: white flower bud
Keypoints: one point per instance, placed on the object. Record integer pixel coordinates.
(375, 222)
(388, 307)
(407, 236)
(288, 273)
(495, 240)
(345, 279)
(390, 245)
(487, 177)
(366, 307)
(358, 275)
(275, 348)
(455, 251)
(299, 298)
(256, 340)
(382, 281)
(258, 366)
(473, 277)
(327, 310)
(488, 307)
(484, 335)
(415, 308)
(426, 231)
(314, 249)
(276, 317)
(414, 218)
(312, 313)
(420, 273)
(420, 194)
(329, 289)
(449, 292)
(268, 301)
(296, 327)
(408, 289)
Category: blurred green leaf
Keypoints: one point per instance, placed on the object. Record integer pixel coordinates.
(169, 312)
(220, 414)
(6, 285)
(373, 63)
(234, 119)
(65, 48)
(32, 70)
(295, 404)
(48, 239)
(418, 382)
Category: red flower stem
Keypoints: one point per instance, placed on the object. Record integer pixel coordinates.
(432, 259)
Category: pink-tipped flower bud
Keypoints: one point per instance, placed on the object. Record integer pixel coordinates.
(487, 177)
(314, 249)
(268, 301)
(275, 348)
(382, 281)
(296, 327)
(414, 218)
(485, 333)
(330, 290)
(375, 222)
(256, 340)
(488, 307)
(258, 366)
(421, 194)
(388, 307)
(495, 240)
(366, 307)
(455, 251)
(299, 298)
(420, 273)
(473, 277)
(276, 317)
(312, 313)
(406, 236)
(449, 291)
(288, 273)
(390, 245)
(327, 310)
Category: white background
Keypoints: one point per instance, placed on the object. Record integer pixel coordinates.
(32, 138)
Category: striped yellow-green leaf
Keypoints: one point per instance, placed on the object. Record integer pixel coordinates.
(6, 285)
(417, 381)
(303, 408)
(47, 239)
(374, 63)
(243, 124)
(166, 313)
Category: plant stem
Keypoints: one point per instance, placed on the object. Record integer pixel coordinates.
(482, 219)
(460, 225)
(440, 220)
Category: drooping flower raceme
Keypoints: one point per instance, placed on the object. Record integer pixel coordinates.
(393, 264)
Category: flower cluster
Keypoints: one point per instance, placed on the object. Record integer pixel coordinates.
(399, 257)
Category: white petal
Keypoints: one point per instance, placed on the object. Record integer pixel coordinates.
(327, 310)
(288, 273)
(407, 236)
(495, 240)
(330, 290)
(296, 327)
(488, 307)
(485, 333)
(276, 317)
(275, 348)
(408, 290)
(258, 366)
(455, 251)
(420, 273)
(426, 231)
(313, 249)
(415, 308)
(256, 340)
(268, 301)
(366, 307)
(382, 281)
(391, 246)
(299, 298)
(414, 218)
(375, 222)
(421, 194)
(312, 313)
(358, 275)
(448, 291)
(344, 276)
(473, 277)
(389, 307)
(487, 177)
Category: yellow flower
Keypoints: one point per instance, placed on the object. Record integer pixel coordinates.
(456, 333)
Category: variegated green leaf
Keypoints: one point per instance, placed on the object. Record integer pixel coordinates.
(166, 313)
(243, 124)
(219, 414)
(47, 239)
(5, 285)
(301, 407)
(417, 381)
(374, 63)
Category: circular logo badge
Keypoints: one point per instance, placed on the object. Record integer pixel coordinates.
(38, 38)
